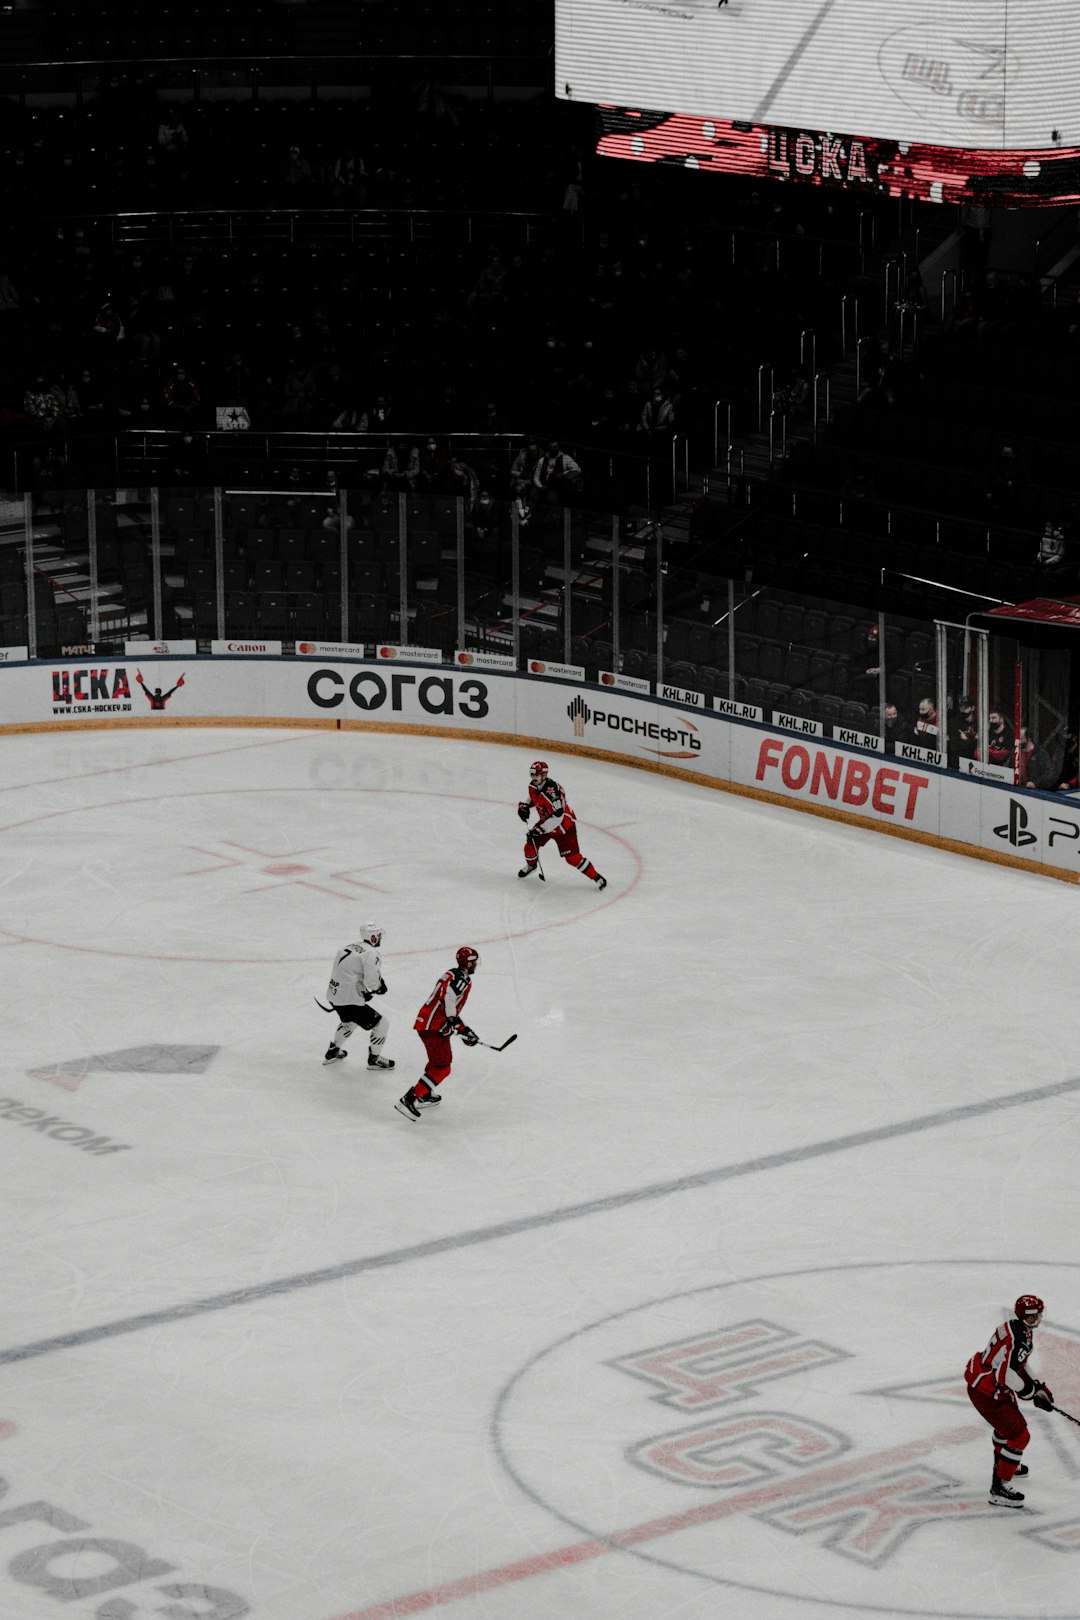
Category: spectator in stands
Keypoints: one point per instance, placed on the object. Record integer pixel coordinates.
(523, 466)
(484, 517)
(489, 288)
(461, 479)
(431, 473)
(297, 179)
(172, 136)
(1024, 753)
(350, 419)
(966, 728)
(894, 730)
(377, 417)
(67, 399)
(556, 476)
(42, 408)
(999, 739)
(1070, 764)
(181, 398)
(1050, 558)
(108, 326)
(348, 180)
(925, 728)
(657, 415)
(651, 370)
(332, 520)
(866, 682)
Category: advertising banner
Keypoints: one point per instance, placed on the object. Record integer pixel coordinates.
(14, 655)
(623, 683)
(569, 672)
(484, 660)
(161, 649)
(415, 655)
(331, 649)
(405, 696)
(247, 649)
(815, 772)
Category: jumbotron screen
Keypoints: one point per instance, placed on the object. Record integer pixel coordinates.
(962, 99)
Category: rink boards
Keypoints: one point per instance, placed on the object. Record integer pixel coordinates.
(789, 763)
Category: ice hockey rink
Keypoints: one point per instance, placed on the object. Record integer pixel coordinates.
(661, 1315)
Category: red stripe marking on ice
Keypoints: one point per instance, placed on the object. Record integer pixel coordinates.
(707, 1513)
(6, 1429)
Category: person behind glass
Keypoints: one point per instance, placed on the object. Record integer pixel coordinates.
(1050, 557)
(965, 729)
(556, 475)
(999, 739)
(866, 684)
(894, 729)
(1070, 764)
(925, 729)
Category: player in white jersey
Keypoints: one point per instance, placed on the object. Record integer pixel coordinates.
(355, 978)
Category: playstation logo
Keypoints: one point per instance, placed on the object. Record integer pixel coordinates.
(1016, 828)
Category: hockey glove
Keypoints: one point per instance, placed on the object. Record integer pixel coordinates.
(381, 991)
(523, 812)
(447, 1029)
(468, 1035)
(1043, 1398)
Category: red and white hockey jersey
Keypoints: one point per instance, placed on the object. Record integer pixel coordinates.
(553, 813)
(1002, 1365)
(445, 1001)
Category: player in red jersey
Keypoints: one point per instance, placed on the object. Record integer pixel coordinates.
(438, 1019)
(554, 820)
(996, 1378)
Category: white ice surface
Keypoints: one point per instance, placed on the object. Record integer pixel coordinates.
(460, 1422)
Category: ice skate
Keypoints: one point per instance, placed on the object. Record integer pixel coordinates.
(374, 1061)
(527, 871)
(432, 1100)
(601, 881)
(408, 1105)
(334, 1054)
(1002, 1496)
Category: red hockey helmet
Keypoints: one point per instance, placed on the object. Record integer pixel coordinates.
(1029, 1309)
(538, 771)
(468, 958)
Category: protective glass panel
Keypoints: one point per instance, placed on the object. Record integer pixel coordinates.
(909, 659)
(56, 524)
(431, 526)
(14, 622)
(125, 573)
(373, 563)
(1050, 762)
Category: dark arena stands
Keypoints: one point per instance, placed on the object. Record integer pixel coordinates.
(325, 321)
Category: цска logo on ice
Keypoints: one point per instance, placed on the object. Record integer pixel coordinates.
(798, 1434)
(685, 734)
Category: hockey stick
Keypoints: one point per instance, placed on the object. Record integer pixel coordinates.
(1068, 1415)
(503, 1047)
(318, 1003)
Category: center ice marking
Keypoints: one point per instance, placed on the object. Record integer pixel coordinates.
(339, 884)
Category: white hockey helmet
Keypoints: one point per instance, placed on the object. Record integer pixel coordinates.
(371, 933)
